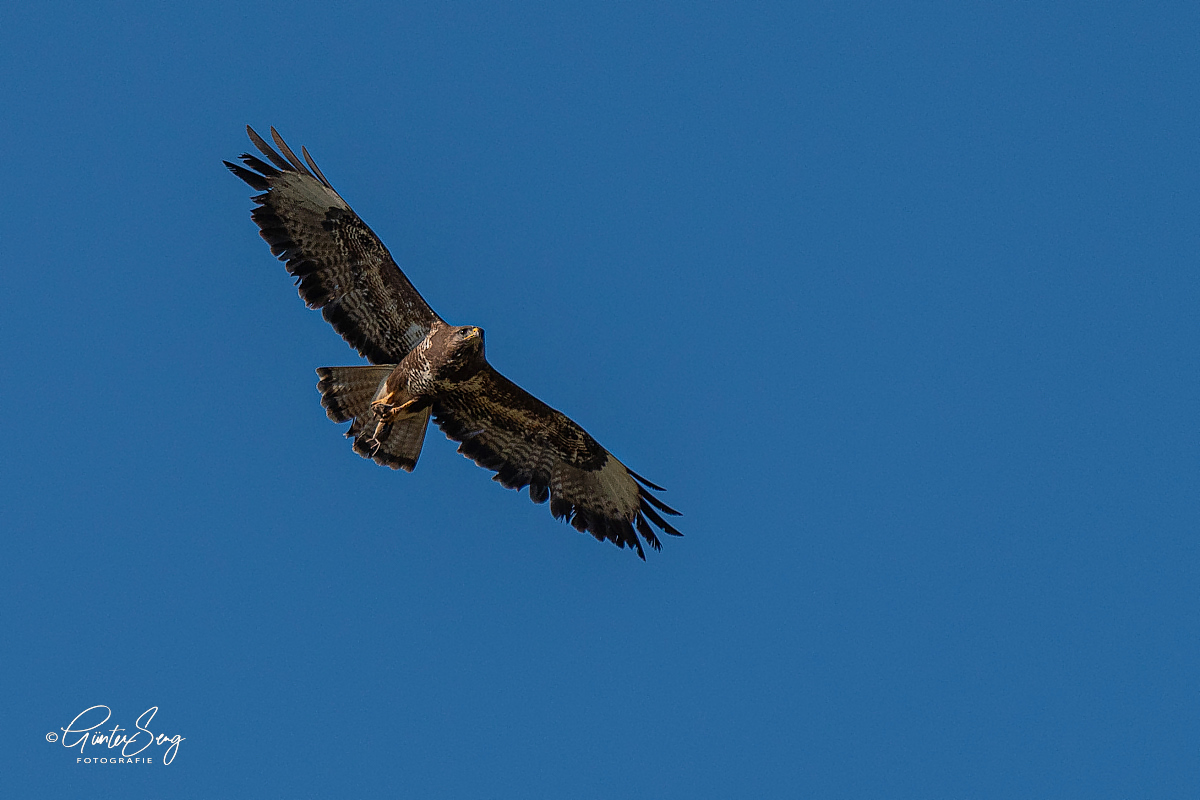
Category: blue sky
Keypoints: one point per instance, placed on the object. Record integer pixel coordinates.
(899, 301)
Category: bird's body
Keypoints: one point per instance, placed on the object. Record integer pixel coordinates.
(421, 367)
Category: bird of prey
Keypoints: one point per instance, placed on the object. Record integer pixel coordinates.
(422, 367)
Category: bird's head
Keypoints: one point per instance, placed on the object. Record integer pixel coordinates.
(464, 351)
(468, 337)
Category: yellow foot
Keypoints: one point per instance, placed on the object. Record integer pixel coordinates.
(386, 412)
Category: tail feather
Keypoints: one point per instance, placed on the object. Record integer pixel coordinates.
(397, 445)
(346, 394)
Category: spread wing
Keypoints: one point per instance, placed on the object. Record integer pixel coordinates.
(339, 264)
(503, 428)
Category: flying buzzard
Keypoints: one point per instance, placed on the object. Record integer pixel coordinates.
(424, 367)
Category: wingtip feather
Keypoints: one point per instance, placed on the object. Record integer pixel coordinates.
(316, 170)
(644, 482)
(254, 180)
(267, 151)
(287, 152)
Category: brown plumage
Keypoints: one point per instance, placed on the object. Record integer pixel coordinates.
(424, 367)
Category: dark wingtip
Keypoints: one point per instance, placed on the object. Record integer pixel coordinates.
(659, 504)
(287, 152)
(644, 482)
(316, 170)
(647, 532)
(657, 519)
(267, 151)
(255, 180)
(258, 165)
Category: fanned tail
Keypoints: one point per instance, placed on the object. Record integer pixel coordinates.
(346, 394)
